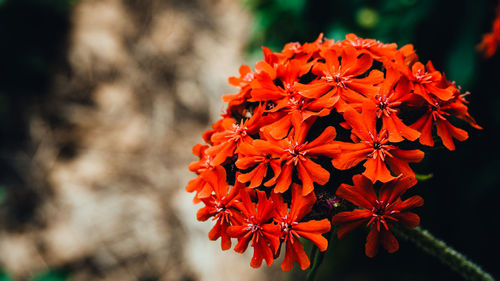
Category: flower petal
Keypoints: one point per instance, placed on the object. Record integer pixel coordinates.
(372, 242)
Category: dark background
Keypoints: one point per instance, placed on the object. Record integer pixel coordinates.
(461, 200)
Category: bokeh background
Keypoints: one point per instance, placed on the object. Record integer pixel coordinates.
(102, 100)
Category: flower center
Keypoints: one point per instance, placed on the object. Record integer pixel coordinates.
(296, 103)
(380, 146)
(248, 77)
(381, 213)
(290, 89)
(385, 106)
(253, 227)
(295, 151)
(238, 131)
(219, 207)
(423, 77)
(285, 227)
(337, 79)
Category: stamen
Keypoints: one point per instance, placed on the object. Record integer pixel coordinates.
(253, 227)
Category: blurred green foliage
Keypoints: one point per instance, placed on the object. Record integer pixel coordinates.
(279, 21)
(51, 275)
(4, 276)
(401, 21)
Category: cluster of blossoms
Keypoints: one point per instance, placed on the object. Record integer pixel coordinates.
(491, 40)
(309, 119)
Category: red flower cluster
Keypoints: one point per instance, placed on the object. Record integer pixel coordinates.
(276, 148)
(490, 41)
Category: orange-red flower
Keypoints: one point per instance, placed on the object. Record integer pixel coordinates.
(303, 52)
(437, 114)
(221, 206)
(280, 89)
(243, 82)
(378, 212)
(227, 141)
(297, 154)
(374, 147)
(340, 74)
(426, 83)
(489, 44)
(257, 228)
(292, 228)
(200, 167)
(374, 47)
(393, 92)
(260, 159)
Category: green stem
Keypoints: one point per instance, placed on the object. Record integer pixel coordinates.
(317, 259)
(313, 253)
(447, 255)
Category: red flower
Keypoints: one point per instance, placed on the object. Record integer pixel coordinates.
(249, 156)
(285, 99)
(257, 228)
(490, 41)
(438, 114)
(216, 127)
(227, 141)
(303, 52)
(243, 82)
(292, 228)
(426, 83)
(378, 212)
(373, 47)
(339, 74)
(200, 167)
(393, 92)
(374, 148)
(221, 206)
(488, 45)
(296, 153)
(409, 54)
(298, 110)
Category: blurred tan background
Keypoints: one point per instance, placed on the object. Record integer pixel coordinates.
(110, 145)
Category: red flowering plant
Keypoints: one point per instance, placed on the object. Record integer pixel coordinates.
(276, 169)
(490, 41)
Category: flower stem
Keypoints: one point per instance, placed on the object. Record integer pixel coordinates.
(317, 259)
(315, 256)
(447, 255)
